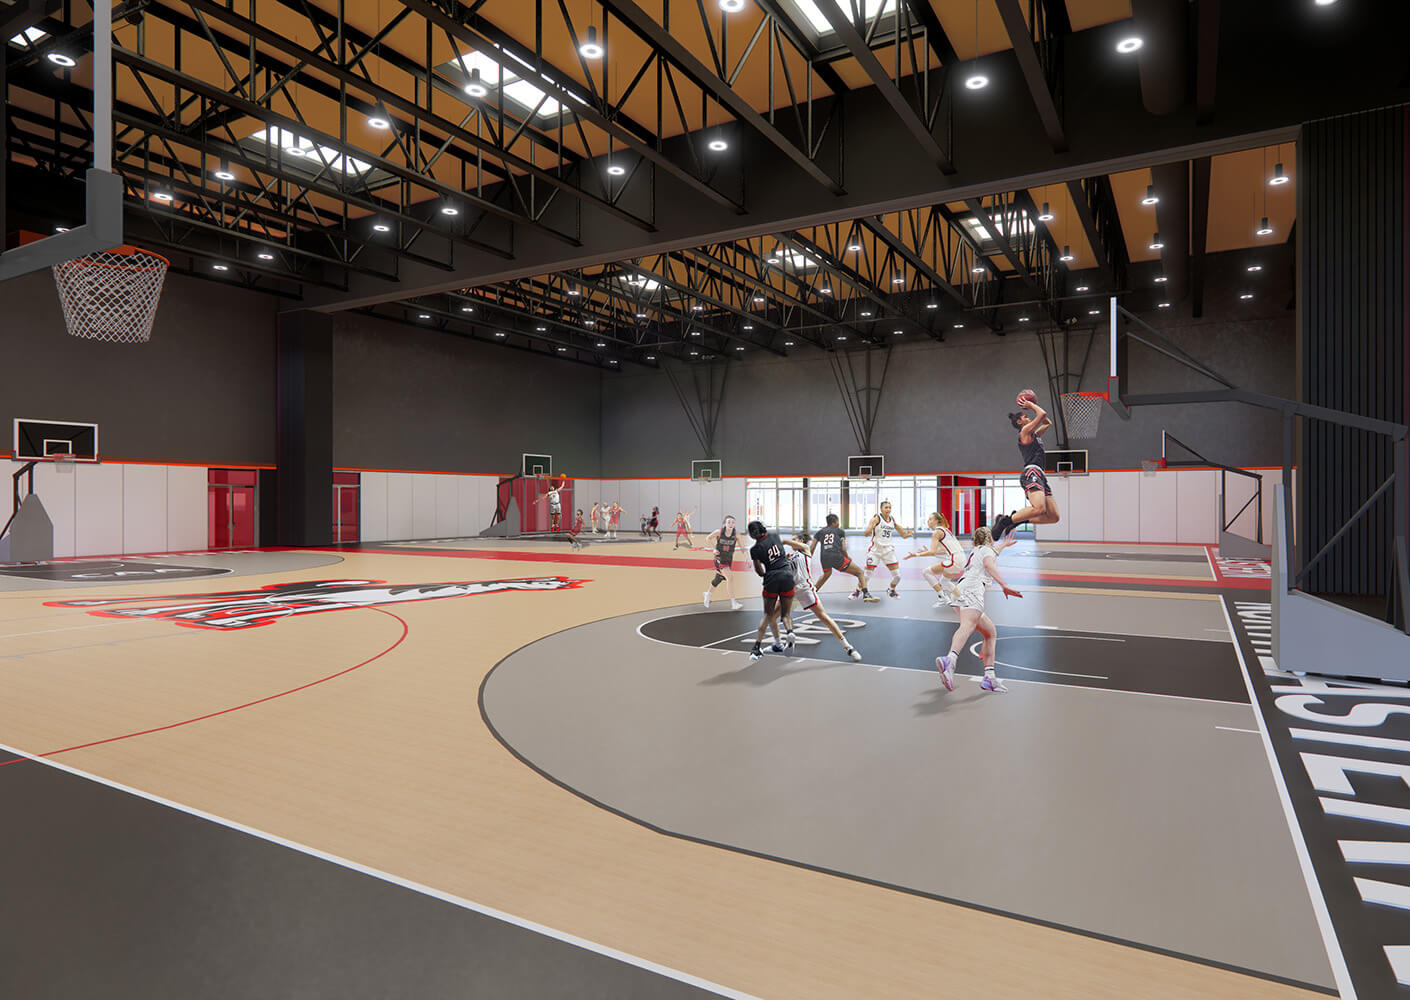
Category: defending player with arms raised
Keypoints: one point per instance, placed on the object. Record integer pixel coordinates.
(682, 526)
(770, 556)
(724, 539)
(806, 596)
(832, 541)
(883, 531)
(942, 575)
(981, 569)
(555, 505)
(1030, 426)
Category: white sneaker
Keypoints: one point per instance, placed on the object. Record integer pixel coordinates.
(735, 605)
(937, 604)
(993, 684)
(854, 595)
(707, 598)
(788, 640)
(856, 656)
(946, 665)
(778, 647)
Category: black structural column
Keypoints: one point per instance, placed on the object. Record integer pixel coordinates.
(1353, 222)
(305, 482)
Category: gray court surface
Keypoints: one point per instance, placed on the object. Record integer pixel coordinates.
(1147, 818)
(200, 568)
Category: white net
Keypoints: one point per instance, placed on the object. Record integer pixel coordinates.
(111, 295)
(1082, 413)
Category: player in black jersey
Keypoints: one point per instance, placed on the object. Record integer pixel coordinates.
(832, 540)
(1041, 507)
(724, 539)
(770, 556)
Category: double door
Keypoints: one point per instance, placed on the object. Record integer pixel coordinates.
(230, 507)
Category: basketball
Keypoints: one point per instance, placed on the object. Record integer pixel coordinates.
(1026, 396)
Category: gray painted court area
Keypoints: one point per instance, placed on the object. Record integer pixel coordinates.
(70, 573)
(1146, 818)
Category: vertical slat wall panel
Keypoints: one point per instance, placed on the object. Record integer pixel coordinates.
(1352, 339)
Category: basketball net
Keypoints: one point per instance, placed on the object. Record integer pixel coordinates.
(1082, 413)
(111, 295)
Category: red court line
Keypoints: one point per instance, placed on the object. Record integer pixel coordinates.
(405, 629)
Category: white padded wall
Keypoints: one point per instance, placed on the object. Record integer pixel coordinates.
(187, 517)
(143, 508)
(1199, 511)
(399, 506)
(97, 509)
(447, 506)
(1121, 501)
(1160, 506)
(56, 490)
(423, 505)
(1062, 492)
(467, 496)
(373, 499)
(1085, 511)
(735, 500)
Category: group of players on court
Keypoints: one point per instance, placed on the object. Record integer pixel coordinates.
(959, 580)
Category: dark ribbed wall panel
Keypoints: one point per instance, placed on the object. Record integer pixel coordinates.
(1351, 219)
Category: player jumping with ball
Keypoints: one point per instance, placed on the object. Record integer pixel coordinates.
(1030, 426)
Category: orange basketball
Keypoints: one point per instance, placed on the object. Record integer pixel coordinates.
(1026, 396)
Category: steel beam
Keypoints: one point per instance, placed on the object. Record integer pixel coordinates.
(1030, 62)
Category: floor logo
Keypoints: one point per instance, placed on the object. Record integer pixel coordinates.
(237, 609)
(111, 571)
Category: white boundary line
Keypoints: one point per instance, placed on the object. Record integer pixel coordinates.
(425, 890)
(1314, 889)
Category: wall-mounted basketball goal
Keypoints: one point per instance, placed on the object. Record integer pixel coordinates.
(866, 466)
(706, 470)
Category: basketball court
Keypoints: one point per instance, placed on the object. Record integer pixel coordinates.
(397, 394)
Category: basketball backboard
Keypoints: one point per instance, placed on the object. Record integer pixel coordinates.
(537, 465)
(41, 440)
(866, 466)
(28, 32)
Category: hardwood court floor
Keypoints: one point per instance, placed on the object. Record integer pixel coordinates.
(378, 755)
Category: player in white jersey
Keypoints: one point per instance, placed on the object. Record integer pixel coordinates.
(555, 504)
(942, 574)
(806, 595)
(981, 569)
(883, 531)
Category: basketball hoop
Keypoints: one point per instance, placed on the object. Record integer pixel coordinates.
(111, 295)
(1150, 466)
(1082, 413)
(63, 461)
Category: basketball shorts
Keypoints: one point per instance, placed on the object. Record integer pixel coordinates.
(971, 598)
(1034, 478)
(952, 555)
(723, 564)
(803, 594)
(835, 560)
(778, 583)
(882, 555)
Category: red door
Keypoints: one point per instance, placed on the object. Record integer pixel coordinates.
(230, 505)
(345, 506)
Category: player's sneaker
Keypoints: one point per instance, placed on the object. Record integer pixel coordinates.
(942, 603)
(756, 653)
(870, 598)
(856, 656)
(1002, 523)
(707, 598)
(891, 592)
(946, 665)
(789, 640)
(854, 595)
(735, 605)
(992, 684)
(778, 647)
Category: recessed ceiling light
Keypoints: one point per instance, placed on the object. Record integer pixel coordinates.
(499, 333)
(1264, 229)
(61, 229)
(898, 280)
(897, 333)
(616, 169)
(748, 326)
(695, 333)
(1083, 288)
(1156, 242)
(1130, 44)
(773, 260)
(959, 326)
(841, 336)
(1165, 305)
(977, 81)
(224, 175)
(423, 316)
(589, 322)
(1066, 254)
(59, 59)
(1252, 268)
(694, 354)
(717, 145)
(651, 357)
(265, 256)
(574, 291)
(854, 247)
(866, 313)
(378, 122)
(758, 300)
(1160, 279)
(541, 329)
(731, 6)
(476, 87)
(590, 49)
(1151, 198)
(739, 348)
(825, 291)
(611, 361)
(1246, 295)
(381, 227)
(697, 308)
(467, 309)
(294, 150)
(162, 196)
(1023, 319)
(449, 210)
(220, 267)
(977, 269)
(561, 350)
(641, 315)
(601, 343)
(1094, 312)
(932, 305)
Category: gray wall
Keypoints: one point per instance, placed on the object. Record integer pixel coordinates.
(945, 404)
(201, 391)
(408, 398)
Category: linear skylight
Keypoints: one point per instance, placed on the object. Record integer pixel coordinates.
(1010, 224)
(640, 281)
(870, 8)
(28, 37)
(521, 92)
(298, 147)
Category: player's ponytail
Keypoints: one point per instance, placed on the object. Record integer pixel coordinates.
(941, 519)
(1017, 419)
